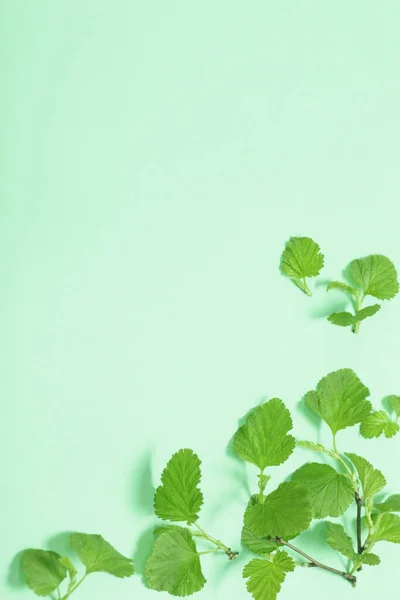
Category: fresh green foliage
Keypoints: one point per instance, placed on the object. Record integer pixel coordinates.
(45, 571)
(265, 576)
(373, 275)
(174, 565)
(257, 544)
(302, 258)
(387, 529)
(391, 504)
(372, 480)
(264, 440)
(331, 492)
(338, 539)
(380, 422)
(285, 512)
(340, 400)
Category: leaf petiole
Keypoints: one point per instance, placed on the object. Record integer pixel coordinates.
(68, 594)
(219, 545)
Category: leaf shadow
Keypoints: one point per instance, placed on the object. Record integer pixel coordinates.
(141, 491)
(313, 542)
(310, 415)
(329, 305)
(15, 575)
(144, 547)
(60, 542)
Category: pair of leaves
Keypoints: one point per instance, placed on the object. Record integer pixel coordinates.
(45, 570)
(264, 441)
(372, 480)
(338, 539)
(265, 576)
(302, 258)
(286, 512)
(379, 422)
(340, 400)
(373, 275)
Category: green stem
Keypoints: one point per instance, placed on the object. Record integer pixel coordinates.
(359, 302)
(338, 457)
(67, 595)
(306, 288)
(220, 545)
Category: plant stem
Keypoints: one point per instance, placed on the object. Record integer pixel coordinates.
(349, 577)
(359, 302)
(343, 462)
(359, 502)
(220, 545)
(67, 595)
(306, 288)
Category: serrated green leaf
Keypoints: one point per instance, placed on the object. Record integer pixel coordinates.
(367, 311)
(179, 498)
(72, 572)
(301, 258)
(315, 448)
(263, 440)
(43, 571)
(344, 287)
(372, 480)
(174, 565)
(99, 556)
(338, 539)
(375, 275)
(391, 429)
(285, 512)
(370, 559)
(391, 504)
(395, 403)
(340, 400)
(265, 577)
(374, 424)
(257, 544)
(331, 492)
(343, 319)
(387, 529)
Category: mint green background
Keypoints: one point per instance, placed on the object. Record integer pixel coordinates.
(155, 157)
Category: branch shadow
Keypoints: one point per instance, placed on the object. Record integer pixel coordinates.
(144, 547)
(313, 542)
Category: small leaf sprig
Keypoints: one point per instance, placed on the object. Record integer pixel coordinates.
(301, 259)
(174, 565)
(373, 275)
(45, 571)
(380, 422)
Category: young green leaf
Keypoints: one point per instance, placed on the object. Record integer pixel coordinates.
(302, 258)
(99, 556)
(395, 403)
(266, 576)
(43, 571)
(387, 529)
(338, 539)
(391, 504)
(72, 572)
(263, 440)
(174, 565)
(372, 480)
(340, 400)
(375, 424)
(343, 319)
(331, 492)
(375, 275)
(257, 544)
(367, 311)
(285, 512)
(315, 448)
(368, 558)
(179, 498)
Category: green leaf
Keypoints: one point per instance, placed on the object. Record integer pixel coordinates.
(257, 544)
(315, 447)
(343, 319)
(344, 287)
(263, 440)
(375, 275)
(266, 576)
(395, 403)
(331, 492)
(374, 424)
(367, 311)
(174, 565)
(372, 480)
(368, 558)
(43, 571)
(391, 429)
(179, 498)
(387, 529)
(391, 504)
(285, 512)
(99, 556)
(340, 400)
(302, 258)
(72, 572)
(338, 539)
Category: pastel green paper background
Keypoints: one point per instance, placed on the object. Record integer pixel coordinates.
(155, 158)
